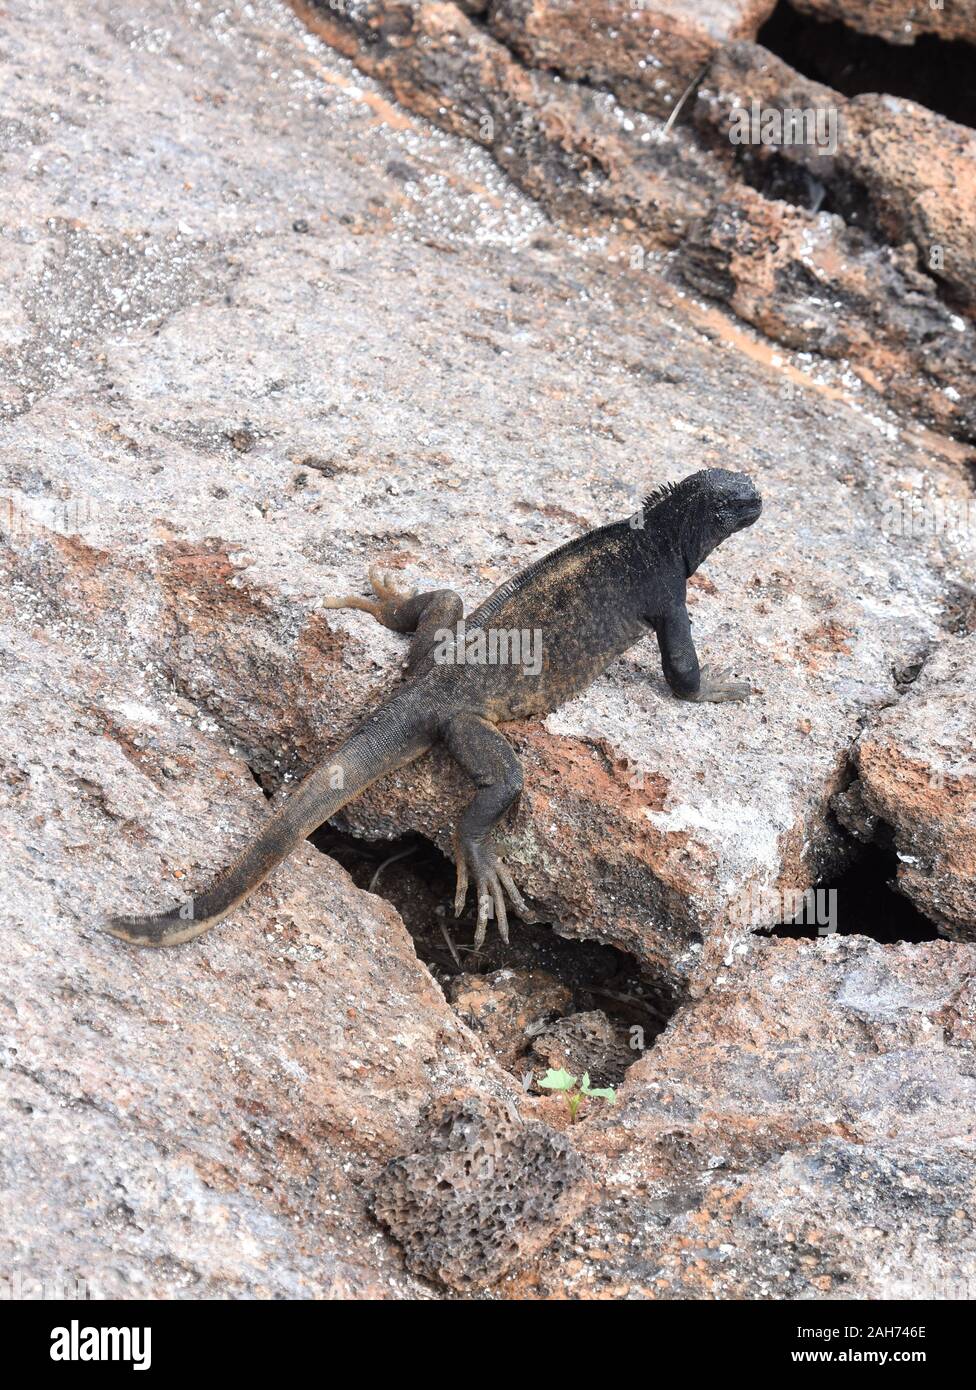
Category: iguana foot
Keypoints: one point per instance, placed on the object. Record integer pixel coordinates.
(384, 588)
(492, 882)
(383, 607)
(719, 686)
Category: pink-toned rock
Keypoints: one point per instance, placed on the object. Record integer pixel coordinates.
(878, 278)
(645, 53)
(225, 396)
(890, 167)
(916, 172)
(899, 21)
(563, 142)
(507, 1007)
(485, 1193)
(180, 1116)
(805, 1131)
(917, 768)
(599, 164)
(815, 285)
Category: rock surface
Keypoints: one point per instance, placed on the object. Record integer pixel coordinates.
(508, 1007)
(187, 1124)
(917, 765)
(899, 21)
(486, 1192)
(567, 144)
(805, 1131)
(259, 326)
(646, 54)
(587, 1044)
(891, 168)
(890, 278)
(815, 284)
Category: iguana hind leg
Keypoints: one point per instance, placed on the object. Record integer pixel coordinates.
(492, 763)
(384, 608)
(425, 615)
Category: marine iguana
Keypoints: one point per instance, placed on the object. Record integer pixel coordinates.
(590, 600)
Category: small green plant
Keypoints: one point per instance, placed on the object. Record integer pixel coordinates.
(575, 1090)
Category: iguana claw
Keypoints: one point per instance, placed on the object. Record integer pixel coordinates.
(384, 588)
(492, 882)
(383, 607)
(718, 686)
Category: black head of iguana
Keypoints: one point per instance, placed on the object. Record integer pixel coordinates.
(540, 638)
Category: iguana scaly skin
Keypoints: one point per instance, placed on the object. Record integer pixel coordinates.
(589, 600)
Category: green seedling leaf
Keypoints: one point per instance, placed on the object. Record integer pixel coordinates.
(558, 1081)
(606, 1093)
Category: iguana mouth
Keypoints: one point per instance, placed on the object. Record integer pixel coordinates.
(747, 511)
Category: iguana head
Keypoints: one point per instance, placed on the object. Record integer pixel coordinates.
(704, 509)
(729, 502)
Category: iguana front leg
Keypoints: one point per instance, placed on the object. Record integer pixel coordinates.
(680, 663)
(425, 615)
(492, 763)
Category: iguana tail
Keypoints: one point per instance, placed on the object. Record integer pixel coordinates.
(391, 737)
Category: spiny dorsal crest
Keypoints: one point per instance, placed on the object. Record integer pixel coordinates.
(663, 494)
